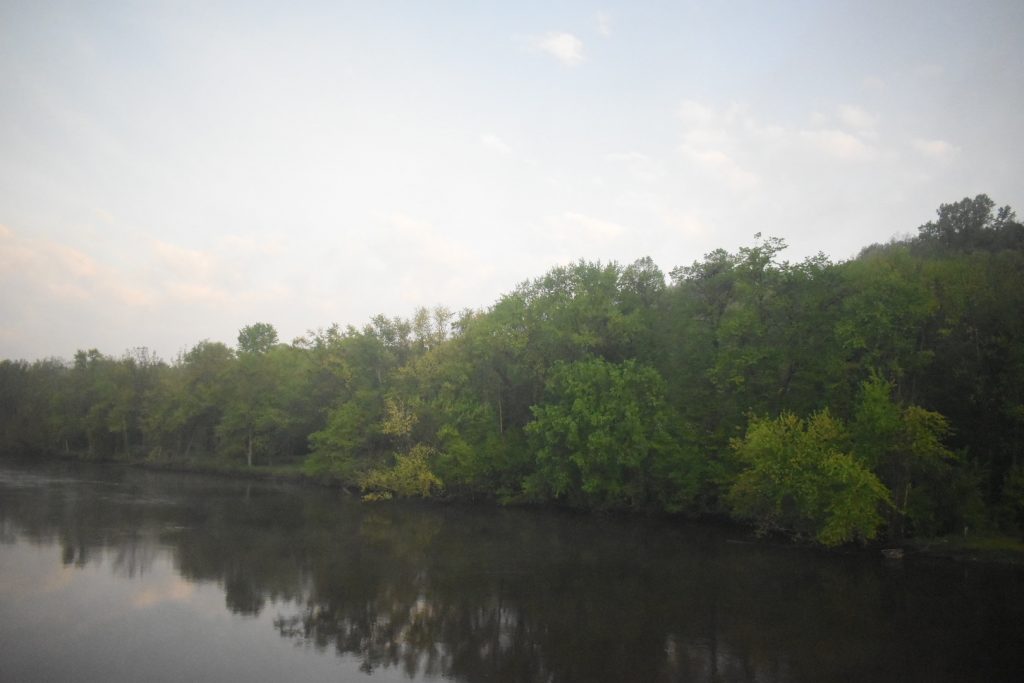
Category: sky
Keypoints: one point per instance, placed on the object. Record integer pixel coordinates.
(173, 171)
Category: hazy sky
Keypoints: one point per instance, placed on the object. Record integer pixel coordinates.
(170, 172)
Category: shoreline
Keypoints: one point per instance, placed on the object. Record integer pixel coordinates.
(982, 546)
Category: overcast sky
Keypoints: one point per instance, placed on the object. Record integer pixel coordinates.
(170, 172)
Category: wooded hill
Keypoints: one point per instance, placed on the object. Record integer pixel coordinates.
(883, 395)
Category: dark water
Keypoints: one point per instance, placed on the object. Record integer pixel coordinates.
(108, 574)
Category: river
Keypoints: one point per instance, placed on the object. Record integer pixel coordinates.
(117, 574)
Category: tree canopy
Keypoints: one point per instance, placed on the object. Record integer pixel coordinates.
(839, 402)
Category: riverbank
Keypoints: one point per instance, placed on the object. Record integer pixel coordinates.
(974, 547)
(977, 546)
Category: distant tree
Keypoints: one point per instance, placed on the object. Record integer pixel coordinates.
(973, 224)
(257, 338)
(187, 404)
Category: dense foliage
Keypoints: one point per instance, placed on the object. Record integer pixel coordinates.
(832, 401)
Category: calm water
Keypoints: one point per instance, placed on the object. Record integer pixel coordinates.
(108, 574)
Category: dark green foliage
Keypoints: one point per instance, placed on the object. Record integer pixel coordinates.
(599, 385)
(257, 338)
(602, 439)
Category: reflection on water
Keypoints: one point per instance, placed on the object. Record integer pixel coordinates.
(225, 580)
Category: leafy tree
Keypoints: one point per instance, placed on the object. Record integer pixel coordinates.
(259, 416)
(257, 338)
(885, 317)
(187, 403)
(409, 477)
(971, 224)
(602, 439)
(799, 477)
(903, 446)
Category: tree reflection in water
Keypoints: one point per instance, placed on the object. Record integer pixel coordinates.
(490, 594)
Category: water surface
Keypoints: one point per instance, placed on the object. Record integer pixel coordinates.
(124, 575)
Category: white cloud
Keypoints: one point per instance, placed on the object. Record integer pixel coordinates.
(624, 157)
(640, 167)
(189, 261)
(723, 166)
(857, 118)
(712, 139)
(495, 144)
(269, 246)
(689, 224)
(579, 228)
(64, 273)
(838, 144)
(565, 47)
(693, 113)
(428, 265)
(935, 149)
(604, 23)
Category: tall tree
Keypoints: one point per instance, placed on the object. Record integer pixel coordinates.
(257, 338)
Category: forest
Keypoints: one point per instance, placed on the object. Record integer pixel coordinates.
(880, 397)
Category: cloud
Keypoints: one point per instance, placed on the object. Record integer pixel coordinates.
(63, 273)
(270, 246)
(857, 118)
(495, 144)
(628, 157)
(939, 150)
(712, 140)
(571, 226)
(689, 225)
(723, 166)
(838, 144)
(190, 261)
(565, 47)
(640, 167)
(424, 264)
(693, 113)
(197, 293)
(604, 23)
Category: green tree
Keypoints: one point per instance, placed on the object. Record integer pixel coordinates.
(260, 411)
(409, 477)
(798, 476)
(602, 439)
(971, 224)
(186, 405)
(257, 338)
(903, 445)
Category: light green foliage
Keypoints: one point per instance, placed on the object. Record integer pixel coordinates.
(399, 419)
(601, 434)
(409, 477)
(799, 477)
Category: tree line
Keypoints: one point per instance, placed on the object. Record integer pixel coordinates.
(832, 401)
